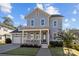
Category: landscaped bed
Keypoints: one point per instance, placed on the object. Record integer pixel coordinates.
(23, 51)
(57, 51)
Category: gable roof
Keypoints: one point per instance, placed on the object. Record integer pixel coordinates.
(37, 9)
(9, 27)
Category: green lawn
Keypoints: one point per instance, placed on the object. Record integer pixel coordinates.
(1, 44)
(23, 51)
(57, 51)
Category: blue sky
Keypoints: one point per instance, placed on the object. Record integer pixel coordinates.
(17, 11)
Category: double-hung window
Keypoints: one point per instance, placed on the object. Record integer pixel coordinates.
(42, 22)
(55, 23)
(32, 22)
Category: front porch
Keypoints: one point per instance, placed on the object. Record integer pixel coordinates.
(38, 37)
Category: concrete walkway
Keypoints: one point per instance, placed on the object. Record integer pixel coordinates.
(7, 47)
(43, 52)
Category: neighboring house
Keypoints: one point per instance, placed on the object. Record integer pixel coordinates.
(5, 32)
(41, 29)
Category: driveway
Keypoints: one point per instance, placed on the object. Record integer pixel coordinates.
(7, 47)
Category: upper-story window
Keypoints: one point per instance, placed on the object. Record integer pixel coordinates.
(42, 22)
(32, 22)
(55, 23)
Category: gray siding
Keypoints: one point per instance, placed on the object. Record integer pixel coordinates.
(37, 19)
(56, 29)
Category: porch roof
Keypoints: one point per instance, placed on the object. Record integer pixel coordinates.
(33, 28)
(16, 31)
(19, 30)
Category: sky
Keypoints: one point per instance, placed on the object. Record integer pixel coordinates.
(17, 11)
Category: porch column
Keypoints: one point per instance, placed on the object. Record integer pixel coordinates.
(40, 36)
(22, 37)
(48, 37)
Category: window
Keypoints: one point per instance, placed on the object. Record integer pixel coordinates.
(32, 22)
(55, 23)
(42, 22)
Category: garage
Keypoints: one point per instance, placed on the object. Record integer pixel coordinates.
(16, 36)
(16, 39)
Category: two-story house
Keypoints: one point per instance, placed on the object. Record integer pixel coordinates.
(41, 29)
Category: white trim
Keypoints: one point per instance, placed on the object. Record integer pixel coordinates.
(40, 36)
(22, 37)
(48, 36)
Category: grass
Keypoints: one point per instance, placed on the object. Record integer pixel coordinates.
(23, 51)
(2, 44)
(57, 51)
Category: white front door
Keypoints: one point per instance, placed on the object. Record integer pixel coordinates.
(44, 38)
(32, 36)
(37, 36)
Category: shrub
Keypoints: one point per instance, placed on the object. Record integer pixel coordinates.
(76, 47)
(8, 40)
(56, 44)
(27, 45)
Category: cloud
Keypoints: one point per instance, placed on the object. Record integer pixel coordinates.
(40, 6)
(76, 9)
(75, 12)
(10, 16)
(73, 19)
(52, 10)
(66, 20)
(22, 16)
(66, 25)
(47, 4)
(5, 7)
(24, 24)
(49, 8)
(77, 6)
(16, 24)
(28, 9)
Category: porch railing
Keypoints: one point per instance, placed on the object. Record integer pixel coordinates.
(33, 42)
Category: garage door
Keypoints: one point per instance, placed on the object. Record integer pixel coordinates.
(16, 40)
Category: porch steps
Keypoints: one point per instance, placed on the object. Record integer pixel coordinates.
(44, 46)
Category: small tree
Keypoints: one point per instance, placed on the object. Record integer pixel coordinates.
(67, 38)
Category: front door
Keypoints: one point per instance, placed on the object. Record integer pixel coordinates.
(44, 38)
